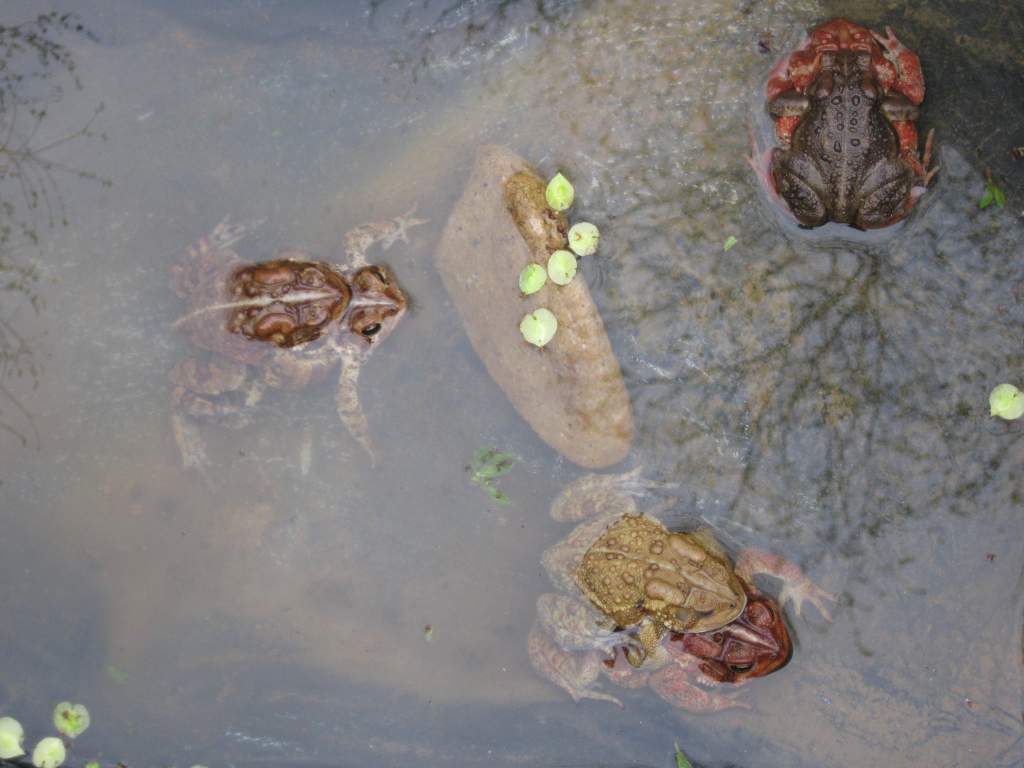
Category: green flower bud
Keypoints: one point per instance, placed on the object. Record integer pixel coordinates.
(532, 278)
(559, 193)
(71, 719)
(12, 736)
(539, 327)
(1006, 402)
(583, 238)
(49, 753)
(562, 267)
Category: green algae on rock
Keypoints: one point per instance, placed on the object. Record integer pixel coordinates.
(573, 395)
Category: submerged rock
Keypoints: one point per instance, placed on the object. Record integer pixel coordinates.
(571, 392)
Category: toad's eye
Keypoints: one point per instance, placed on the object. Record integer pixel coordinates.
(371, 330)
(740, 668)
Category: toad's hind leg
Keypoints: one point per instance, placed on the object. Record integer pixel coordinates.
(677, 683)
(387, 233)
(575, 673)
(347, 400)
(603, 495)
(190, 443)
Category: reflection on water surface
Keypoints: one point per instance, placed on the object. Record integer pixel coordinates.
(818, 396)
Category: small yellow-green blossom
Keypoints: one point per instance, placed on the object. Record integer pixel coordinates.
(539, 327)
(559, 193)
(49, 753)
(12, 736)
(1006, 402)
(562, 267)
(71, 719)
(532, 278)
(583, 238)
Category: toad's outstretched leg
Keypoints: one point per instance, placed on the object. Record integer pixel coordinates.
(575, 673)
(387, 233)
(795, 584)
(350, 411)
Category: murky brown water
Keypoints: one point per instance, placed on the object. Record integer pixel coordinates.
(819, 395)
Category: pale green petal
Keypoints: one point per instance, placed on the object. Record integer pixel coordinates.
(71, 719)
(559, 193)
(562, 267)
(1006, 402)
(532, 278)
(12, 736)
(539, 327)
(583, 238)
(49, 753)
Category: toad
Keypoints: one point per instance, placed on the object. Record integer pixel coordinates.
(687, 630)
(280, 324)
(844, 106)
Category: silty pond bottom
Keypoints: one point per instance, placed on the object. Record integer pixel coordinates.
(822, 395)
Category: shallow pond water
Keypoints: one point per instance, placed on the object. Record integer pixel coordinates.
(822, 395)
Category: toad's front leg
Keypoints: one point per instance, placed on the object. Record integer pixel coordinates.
(359, 240)
(795, 584)
(899, 69)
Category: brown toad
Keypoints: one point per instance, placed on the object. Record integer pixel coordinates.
(282, 324)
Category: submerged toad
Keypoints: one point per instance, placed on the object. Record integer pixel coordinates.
(844, 106)
(283, 324)
(730, 633)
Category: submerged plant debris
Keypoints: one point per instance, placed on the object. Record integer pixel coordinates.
(487, 466)
(993, 194)
(681, 759)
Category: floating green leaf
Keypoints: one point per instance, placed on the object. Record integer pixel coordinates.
(681, 761)
(583, 238)
(730, 241)
(12, 736)
(1006, 402)
(559, 193)
(498, 495)
(49, 753)
(117, 674)
(489, 464)
(539, 327)
(93, 764)
(71, 719)
(562, 267)
(532, 278)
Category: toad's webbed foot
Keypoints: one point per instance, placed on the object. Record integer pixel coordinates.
(359, 240)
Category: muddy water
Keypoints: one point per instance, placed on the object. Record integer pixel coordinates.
(823, 396)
